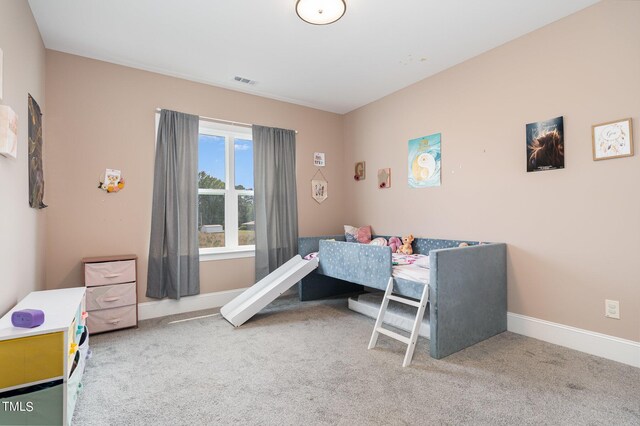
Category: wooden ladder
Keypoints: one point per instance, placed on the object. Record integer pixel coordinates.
(410, 341)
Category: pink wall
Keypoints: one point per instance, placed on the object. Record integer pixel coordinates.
(22, 229)
(573, 234)
(103, 115)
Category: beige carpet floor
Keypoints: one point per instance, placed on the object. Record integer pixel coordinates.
(308, 364)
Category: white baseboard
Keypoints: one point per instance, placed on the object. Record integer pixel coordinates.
(164, 307)
(602, 345)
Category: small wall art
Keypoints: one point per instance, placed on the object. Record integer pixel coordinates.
(360, 171)
(384, 178)
(613, 139)
(545, 145)
(36, 172)
(318, 159)
(319, 190)
(8, 132)
(112, 182)
(425, 161)
(319, 187)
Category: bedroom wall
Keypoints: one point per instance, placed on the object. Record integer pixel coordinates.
(103, 115)
(21, 228)
(573, 234)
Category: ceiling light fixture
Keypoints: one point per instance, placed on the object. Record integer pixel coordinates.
(320, 12)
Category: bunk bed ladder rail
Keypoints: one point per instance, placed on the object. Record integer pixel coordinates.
(409, 341)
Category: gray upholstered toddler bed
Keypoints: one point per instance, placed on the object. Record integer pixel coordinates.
(467, 285)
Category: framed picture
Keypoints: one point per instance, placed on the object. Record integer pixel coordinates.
(384, 178)
(612, 140)
(425, 161)
(318, 159)
(360, 171)
(545, 145)
(319, 190)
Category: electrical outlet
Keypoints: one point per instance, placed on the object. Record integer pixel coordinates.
(612, 309)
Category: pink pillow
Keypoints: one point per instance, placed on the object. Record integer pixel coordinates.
(357, 235)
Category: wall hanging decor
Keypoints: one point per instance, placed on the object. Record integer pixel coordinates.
(36, 175)
(318, 159)
(360, 170)
(8, 132)
(319, 187)
(425, 161)
(613, 139)
(113, 181)
(545, 145)
(384, 178)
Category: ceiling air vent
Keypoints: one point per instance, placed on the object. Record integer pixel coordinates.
(244, 80)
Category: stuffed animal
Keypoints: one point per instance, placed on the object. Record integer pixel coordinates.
(405, 248)
(395, 243)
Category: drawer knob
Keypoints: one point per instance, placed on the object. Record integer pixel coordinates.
(114, 321)
(111, 299)
(111, 276)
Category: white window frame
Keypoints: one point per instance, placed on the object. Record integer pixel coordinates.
(231, 194)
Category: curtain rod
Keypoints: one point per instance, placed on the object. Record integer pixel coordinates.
(218, 120)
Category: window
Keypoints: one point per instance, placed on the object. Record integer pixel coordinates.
(226, 217)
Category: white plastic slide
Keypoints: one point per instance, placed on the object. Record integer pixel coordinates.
(265, 291)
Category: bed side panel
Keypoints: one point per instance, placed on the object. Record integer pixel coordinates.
(468, 296)
(425, 245)
(316, 286)
(308, 245)
(358, 263)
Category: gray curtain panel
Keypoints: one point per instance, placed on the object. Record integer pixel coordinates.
(275, 195)
(174, 267)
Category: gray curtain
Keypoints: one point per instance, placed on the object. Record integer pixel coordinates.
(276, 205)
(174, 267)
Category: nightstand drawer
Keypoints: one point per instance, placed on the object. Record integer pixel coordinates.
(112, 319)
(111, 296)
(109, 273)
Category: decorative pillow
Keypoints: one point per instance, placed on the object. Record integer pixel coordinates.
(357, 235)
(422, 262)
(378, 242)
(394, 243)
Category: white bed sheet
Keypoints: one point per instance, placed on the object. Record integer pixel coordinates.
(405, 268)
(411, 273)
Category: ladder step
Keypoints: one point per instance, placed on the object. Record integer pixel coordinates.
(393, 335)
(404, 300)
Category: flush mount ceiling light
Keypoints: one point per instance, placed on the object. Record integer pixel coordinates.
(320, 12)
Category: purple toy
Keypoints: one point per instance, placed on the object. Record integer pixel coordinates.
(27, 318)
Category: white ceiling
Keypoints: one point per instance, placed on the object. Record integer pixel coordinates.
(377, 48)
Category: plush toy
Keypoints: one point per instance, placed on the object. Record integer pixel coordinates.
(405, 248)
(395, 243)
(463, 245)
